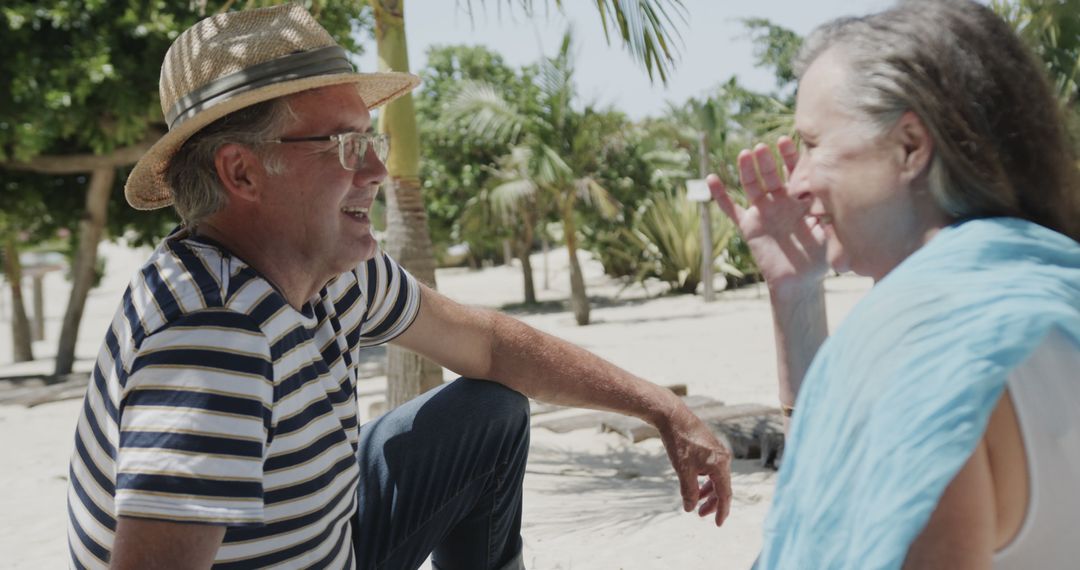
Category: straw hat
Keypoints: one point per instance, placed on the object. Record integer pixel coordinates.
(237, 59)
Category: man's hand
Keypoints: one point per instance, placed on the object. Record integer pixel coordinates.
(788, 248)
(694, 451)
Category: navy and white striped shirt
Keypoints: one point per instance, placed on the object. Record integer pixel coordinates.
(214, 401)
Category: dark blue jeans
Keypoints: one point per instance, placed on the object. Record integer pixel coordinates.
(442, 475)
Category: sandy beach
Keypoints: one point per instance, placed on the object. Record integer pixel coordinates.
(592, 500)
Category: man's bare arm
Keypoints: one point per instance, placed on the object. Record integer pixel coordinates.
(144, 544)
(488, 345)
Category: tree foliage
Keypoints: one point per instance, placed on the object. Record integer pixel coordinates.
(647, 28)
(457, 166)
(81, 77)
(79, 100)
(775, 47)
(557, 147)
(1051, 28)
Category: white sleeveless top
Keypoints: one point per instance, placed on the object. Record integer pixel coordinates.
(1045, 391)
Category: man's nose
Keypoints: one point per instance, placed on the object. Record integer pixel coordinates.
(373, 171)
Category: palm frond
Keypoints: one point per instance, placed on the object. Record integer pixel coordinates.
(677, 158)
(593, 194)
(511, 196)
(647, 27)
(550, 168)
(483, 112)
(556, 82)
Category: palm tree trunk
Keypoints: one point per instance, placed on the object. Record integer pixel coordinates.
(524, 249)
(23, 348)
(408, 240)
(38, 324)
(527, 276)
(579, 299)
(707, 257)
(508, 252)
(544, 245)
(91, 229)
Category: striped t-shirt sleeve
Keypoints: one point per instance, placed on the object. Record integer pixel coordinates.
(392, 297)
(194, 420)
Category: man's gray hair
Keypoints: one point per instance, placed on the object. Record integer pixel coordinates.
(197, 190)
(1000, 147)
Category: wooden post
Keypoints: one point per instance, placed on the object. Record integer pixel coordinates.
(706, 226)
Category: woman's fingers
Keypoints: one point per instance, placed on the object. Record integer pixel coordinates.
(766, 163)
(789, 153)
(748, 176)
(720, 196)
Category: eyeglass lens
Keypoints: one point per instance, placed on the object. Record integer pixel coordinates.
(354, 149)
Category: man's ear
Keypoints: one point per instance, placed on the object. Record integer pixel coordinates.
(917, 144)
(240, 170)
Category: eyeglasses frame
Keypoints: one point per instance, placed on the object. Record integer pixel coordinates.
(366, 140)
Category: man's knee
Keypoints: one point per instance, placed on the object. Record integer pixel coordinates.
(493, 400)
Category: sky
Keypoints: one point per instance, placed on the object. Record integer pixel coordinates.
(714, 44)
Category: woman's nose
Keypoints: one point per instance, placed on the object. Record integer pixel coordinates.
(799, 183)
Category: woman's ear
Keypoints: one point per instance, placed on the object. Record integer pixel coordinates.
(240, 171)
(917, 143)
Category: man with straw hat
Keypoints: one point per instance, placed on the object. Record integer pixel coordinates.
(221, 424)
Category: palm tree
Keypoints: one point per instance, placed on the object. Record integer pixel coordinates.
(644, 25)
(553, 151)
(516, 205)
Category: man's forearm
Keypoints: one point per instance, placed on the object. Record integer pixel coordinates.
(549, 369)
(800, 326)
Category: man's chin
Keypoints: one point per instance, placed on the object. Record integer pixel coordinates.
(366, 250)
(355, 258)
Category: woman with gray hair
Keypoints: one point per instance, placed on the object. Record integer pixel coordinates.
(937, 426)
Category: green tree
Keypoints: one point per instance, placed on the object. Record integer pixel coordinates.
(456, 167)
(644, 25)
(624, 166)
(512, 204)
(81, 98)
(776, 47)
(557, 147)
(1052, 30)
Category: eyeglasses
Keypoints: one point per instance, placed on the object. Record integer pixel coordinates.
(352, 147)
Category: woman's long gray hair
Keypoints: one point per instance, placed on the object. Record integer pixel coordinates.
(1000, 147)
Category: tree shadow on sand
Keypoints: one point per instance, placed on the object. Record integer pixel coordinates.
(620, 488)
(563, 305)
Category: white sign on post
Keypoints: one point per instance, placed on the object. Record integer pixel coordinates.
(697, 190)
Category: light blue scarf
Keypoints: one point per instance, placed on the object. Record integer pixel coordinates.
(898, 398)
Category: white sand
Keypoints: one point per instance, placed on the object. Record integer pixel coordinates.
(592, 500)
